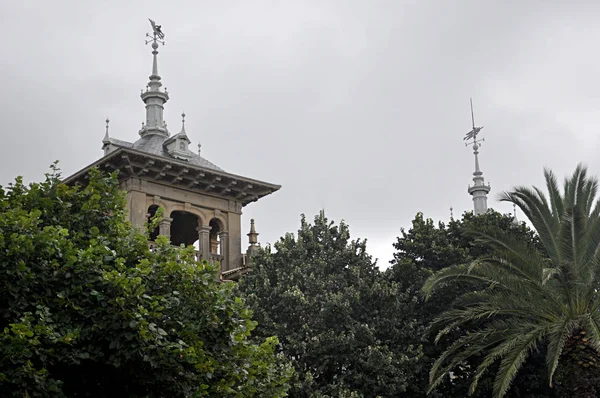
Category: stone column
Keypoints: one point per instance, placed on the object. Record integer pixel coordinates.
(137, 209)
(214, 246)
(224, 241)
(204, 237)
(164, 228)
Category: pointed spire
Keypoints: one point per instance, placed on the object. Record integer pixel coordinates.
(153, 97)
(515, 214)
(479, 190)
(252, 235)
(253, 240)
(182, 123)
(106, 139)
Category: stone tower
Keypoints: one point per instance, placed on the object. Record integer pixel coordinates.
(479, 189)
(202, 203)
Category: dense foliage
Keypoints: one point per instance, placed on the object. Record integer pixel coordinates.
(345, 327)
(531, 299)
(426, 248)
(87, 310)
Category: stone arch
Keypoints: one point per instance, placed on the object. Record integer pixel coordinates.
(217, 226)
(187, 209)
(218, 222)
(158, 202)
(152, 209)
(184, 227)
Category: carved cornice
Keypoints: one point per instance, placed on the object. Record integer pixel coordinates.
(132, 163)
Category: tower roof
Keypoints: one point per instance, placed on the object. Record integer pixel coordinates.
(158, 157)
(155, 138)
(155, 145)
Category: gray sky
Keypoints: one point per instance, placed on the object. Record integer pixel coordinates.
(357, 107)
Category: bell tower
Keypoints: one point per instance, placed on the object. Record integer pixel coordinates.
(202, 204)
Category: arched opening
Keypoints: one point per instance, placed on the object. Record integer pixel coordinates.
(151, 212)
(183, 228)
(214, 238)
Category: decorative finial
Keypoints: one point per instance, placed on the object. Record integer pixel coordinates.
(199, 149)
(183, 118)
(106, 139)
(156, 37)
(451, 213)
(479, 190)
(252, 235)
(154, 97)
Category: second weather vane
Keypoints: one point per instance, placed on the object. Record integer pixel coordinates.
(472, 135)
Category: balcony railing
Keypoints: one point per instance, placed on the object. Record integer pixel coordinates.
(235, 270)
(213, 258)
(216, 258)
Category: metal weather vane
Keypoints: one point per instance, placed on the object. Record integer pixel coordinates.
(157, 33)
(472, 135)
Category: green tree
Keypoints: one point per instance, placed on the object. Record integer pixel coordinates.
(344, 326)
(87, 310)
(426, 248)
(533, 300)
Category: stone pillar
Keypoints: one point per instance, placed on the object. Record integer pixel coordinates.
(214, 246)
(234, 227)
(137, 209)
(164, 228)
(224, 238)
(204, 237)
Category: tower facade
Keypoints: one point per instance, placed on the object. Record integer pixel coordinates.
(479, 190)
(202, 204)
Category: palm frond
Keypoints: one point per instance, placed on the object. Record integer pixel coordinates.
(501, 350)
(558, 336)
(452, 274)
(512, 362)
(523, 298)
(593, 327)
(556, 202)
(535, 208)
(462, 349)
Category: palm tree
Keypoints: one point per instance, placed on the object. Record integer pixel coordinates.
(528, 299)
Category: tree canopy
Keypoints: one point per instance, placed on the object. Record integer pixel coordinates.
(345, 327)
(532, 299)
(427, 247)
(87, 310)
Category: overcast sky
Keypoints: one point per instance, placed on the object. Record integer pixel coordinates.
(356, 107)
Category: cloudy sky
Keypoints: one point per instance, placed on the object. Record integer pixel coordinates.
(355, 107)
